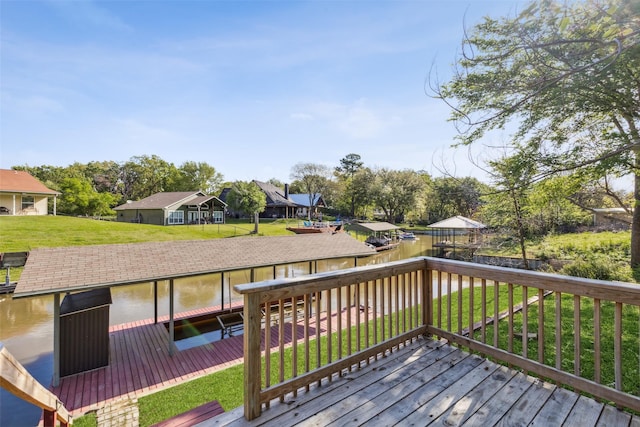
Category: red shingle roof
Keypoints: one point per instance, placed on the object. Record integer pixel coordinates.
(13, 181)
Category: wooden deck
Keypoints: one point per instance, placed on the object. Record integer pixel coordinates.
(432, 383)
(139, 363)
(425, 382)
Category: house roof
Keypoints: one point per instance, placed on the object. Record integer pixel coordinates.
(458, 222)
(76, 268)
(161, 200)
(275, 195)
(14, 181)
(374, 227)
(303, 199)
(200, 200)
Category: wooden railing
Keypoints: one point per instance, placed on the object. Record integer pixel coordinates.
(581, 333)
(518, 317)
(17, 380)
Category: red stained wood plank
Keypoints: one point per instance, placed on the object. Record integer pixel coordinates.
(194, 416)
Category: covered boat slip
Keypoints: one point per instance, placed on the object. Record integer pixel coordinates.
(55, 271)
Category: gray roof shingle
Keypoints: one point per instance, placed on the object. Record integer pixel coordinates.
(75, 268)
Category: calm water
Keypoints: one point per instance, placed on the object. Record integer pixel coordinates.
(26, 325)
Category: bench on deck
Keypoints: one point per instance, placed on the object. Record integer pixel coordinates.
(231, 322)
(195, 416)
(288, 307)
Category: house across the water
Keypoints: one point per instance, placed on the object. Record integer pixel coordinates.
(174, 208)
(22, 194)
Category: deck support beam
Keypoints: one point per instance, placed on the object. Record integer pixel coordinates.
(172, 332)
(56, 339)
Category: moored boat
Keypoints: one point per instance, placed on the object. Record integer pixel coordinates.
(309, 227)
(407, 235)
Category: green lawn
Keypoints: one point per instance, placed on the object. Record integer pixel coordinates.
(29, 232)
(24, 233)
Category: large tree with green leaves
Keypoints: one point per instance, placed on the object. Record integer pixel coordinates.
(349, 166)
(314, 180)
(565, 77)
(449, 196)
(247, 197)
(194, 176)
(145, 175)
(396, 192)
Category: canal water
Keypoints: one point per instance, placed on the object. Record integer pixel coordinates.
(26, 325)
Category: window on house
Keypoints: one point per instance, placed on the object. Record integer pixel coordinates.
(27, 202)
(218, 217)
(176, 217)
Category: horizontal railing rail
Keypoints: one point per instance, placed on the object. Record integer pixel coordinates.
(18, 381)
(342, 319)
(580, 333)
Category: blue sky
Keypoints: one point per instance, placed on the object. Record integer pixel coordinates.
(250, 87)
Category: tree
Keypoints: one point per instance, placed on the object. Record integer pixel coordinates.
(193, 176)
(143, 176)
(349, 166)
(313, 179)
(396, 191)
(512, 175)
(80, 198)
(449, 196)
(362, 186)
(566, 77)
(247, 197)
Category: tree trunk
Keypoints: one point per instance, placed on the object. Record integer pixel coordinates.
(256, 219)
(520, 228)
(635, 225)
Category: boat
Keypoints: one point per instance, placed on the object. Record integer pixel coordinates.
(381, 243)
(309, 227)
(407, 235)
(7, 287)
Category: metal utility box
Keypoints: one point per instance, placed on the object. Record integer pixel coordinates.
(84, 331)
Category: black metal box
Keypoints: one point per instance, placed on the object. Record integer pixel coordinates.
(84, 331)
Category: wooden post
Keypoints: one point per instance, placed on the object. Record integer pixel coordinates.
(56, 339)
(252, 368)
(427, 299)
(172, 332)
(48, 418)
(155, 301)
(222, 289)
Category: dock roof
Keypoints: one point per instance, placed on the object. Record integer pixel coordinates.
(373, 227)
(77, 268)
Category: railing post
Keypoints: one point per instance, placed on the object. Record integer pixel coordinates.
(427, 298)
(48, 418)
(252, 356)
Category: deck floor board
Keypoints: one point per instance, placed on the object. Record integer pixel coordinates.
(452, 388)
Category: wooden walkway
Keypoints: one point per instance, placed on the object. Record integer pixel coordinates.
(432, 383)
(139, 363)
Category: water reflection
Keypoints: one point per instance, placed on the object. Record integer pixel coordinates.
(26, 325)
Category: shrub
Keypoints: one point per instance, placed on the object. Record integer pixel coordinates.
(598, 267)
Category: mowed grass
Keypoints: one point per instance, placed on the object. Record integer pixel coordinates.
(24, 233)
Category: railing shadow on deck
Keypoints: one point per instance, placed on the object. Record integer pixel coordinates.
(580, 333)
